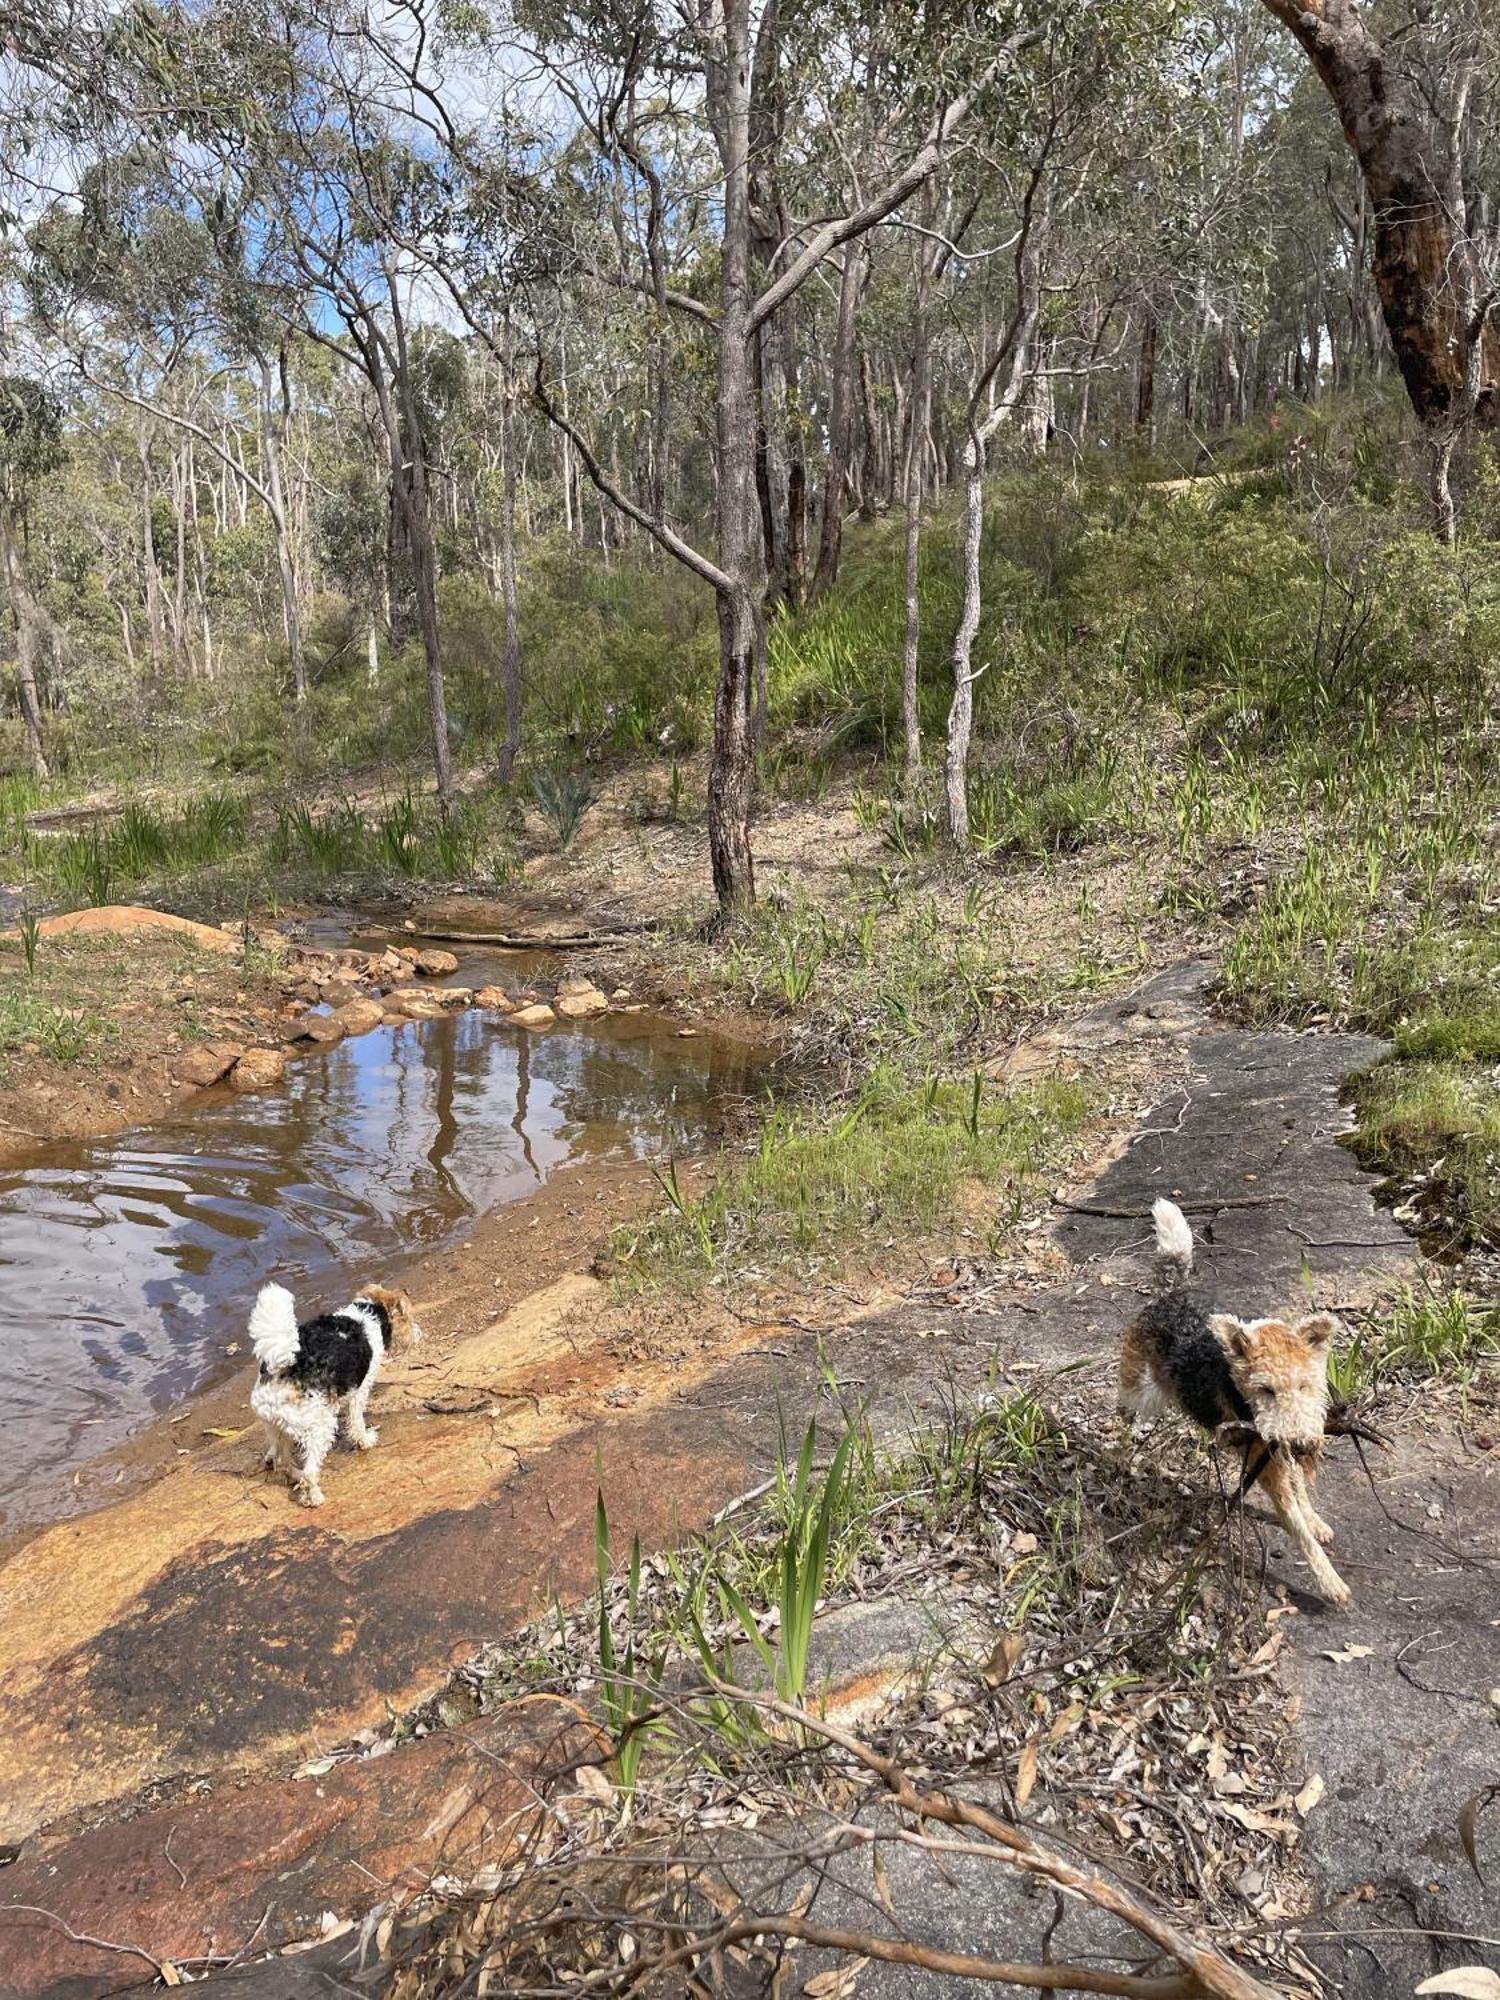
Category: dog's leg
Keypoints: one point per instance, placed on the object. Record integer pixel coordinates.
(1306, 1474)
(316, 1435)
(365, 1439)
(1285, 1491)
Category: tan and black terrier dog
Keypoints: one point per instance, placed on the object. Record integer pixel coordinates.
(1271, 1374)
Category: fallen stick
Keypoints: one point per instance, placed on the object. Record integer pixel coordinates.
(531, 940)
(1187, 1207)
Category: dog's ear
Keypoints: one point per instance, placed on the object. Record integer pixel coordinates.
(1229, 1331)
(1317, 1329)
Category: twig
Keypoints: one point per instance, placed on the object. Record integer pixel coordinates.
(167, 1851)
(81, 1937)
(1213, 1975)
(1187, 1207)
(535, 940)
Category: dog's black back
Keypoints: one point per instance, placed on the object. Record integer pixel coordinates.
(1192, 1359)
(333, 1350)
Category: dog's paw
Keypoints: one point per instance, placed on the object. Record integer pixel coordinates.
(367, 1440)
(1321, 1531)
(309, 1496)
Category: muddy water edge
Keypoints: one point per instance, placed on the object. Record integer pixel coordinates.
(129, 1263)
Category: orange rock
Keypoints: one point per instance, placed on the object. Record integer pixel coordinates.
(206, 1063)
(538, 1016)
(358, 1017)
(258, 1069)
(128, 920)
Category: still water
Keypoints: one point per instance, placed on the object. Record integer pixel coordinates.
(129, 1264)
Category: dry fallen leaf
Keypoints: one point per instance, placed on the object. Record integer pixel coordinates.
(1349, 1653)
(837, 1983)
(1025, 1775)
(1309, 1795)
(1005, 1658)
(1469, 1982)
(592, 1780)
(882, 1882)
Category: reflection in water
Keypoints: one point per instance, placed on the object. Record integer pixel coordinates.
(129, 1264)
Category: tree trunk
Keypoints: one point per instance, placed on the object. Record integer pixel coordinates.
(1421, 256)
(291, 614)
(796, 471)
(961, 708)
(155, 627)
(840, 423)
(731, 768)
(916, 455)
(28, 631)
(1145, 380)
(510, 658)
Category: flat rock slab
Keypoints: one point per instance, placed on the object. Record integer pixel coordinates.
(130, 920)
(199, 1630)
(1403, 1734)
(256, 1868)
(242, 1636)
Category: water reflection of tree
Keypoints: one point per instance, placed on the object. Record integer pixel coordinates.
(523, 1104)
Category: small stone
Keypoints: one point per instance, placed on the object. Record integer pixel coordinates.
(581, 1006)
(358, 1017)
(206, 1063)
(496, 998)
(538, 1016)
(258, 1069)
(416, 1003)
(320, 1029)
(454, 997)
(435, 963)
(574, 983)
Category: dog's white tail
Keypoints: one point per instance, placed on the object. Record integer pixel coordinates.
(1174, 1243)
(273, 1328)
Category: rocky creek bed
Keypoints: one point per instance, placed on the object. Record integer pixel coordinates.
(177, 1658)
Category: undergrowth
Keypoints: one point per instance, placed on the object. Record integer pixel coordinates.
(900, 1160)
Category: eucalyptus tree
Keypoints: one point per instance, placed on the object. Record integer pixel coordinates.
(1417, 92)
(31, 448)
(728, 57)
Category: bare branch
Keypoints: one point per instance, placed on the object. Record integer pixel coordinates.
(918, 169)
(670, 540)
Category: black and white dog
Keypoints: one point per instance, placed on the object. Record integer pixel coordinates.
(310, 1372)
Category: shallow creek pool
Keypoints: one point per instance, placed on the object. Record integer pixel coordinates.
(129, 1264)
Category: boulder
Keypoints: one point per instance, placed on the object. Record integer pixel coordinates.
(496, 999)
(129, 920)
(206, 1063)
(358, 1017)
(574, 983)
(258, 1069)
(581, 1006)
(434, 963)
(538, 1016)
(415, 1003)
(320, 1029)
(454, 997)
